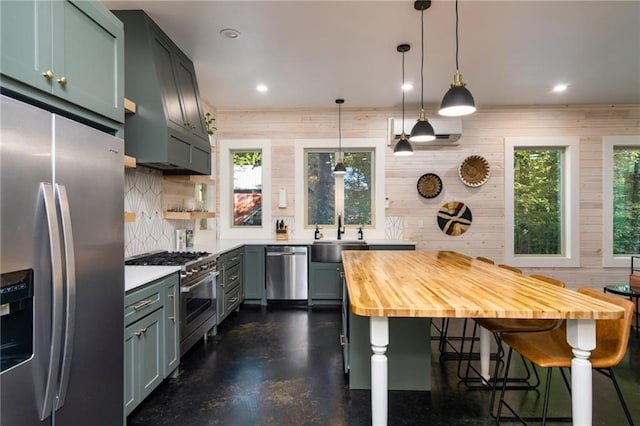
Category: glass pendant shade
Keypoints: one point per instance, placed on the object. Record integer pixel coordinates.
(340, 169)
(458, 100)
(403, 147)
(422, 131)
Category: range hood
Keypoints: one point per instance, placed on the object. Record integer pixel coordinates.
(168, 131)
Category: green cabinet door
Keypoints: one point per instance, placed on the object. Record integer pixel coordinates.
(144, 358)
(253, 279)
(73, 50)
(193, 114)
(151, 361)
(26, 42)
(88, 54)
(171, 325)
(325, 282)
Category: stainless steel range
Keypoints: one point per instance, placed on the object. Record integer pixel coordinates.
(198, 275)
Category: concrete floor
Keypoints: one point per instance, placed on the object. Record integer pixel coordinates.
(284, 367)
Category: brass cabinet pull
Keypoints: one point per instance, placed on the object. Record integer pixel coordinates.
(48, 74)
(235, 277)
(62, 80)
(141, 304)
(141, 331)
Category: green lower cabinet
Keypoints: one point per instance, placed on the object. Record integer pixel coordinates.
(325, 283)
(254, 275)
(144, 363)
(392, 247)
(171, 325)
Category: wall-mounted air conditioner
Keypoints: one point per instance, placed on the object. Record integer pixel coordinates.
(448, 131)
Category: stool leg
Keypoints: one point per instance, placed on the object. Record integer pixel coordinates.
(547, 388)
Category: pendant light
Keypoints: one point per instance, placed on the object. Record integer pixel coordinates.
(403, 147)
(458, 100)
(339, 169)
(422, 130)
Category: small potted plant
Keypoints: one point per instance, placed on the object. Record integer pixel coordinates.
(210, 121)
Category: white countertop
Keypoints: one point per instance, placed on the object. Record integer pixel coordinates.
(135, 276)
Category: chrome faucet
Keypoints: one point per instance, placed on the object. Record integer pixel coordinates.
(340, 227)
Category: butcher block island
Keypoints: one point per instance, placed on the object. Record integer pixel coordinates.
(446, 284)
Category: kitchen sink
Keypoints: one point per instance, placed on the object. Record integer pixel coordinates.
(330, 251)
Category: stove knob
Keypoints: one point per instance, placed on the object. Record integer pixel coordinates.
(188, 273)
(204, 267)
(194, 270)
(183, 275)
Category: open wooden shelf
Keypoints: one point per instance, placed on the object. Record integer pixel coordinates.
(129, 162)
(194, 179)
(129, 106)
(188, 215)
(129, 217)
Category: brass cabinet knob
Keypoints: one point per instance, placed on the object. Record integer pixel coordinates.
(62, 80)
(48, 74)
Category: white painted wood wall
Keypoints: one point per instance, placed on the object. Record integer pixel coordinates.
(483, 134)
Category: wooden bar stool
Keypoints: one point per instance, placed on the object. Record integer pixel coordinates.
(550, 349)
(511, 268)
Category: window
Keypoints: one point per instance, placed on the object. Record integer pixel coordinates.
(357, 196)
(541, 201)
(621, 210)
(329, 195)
(245, 188)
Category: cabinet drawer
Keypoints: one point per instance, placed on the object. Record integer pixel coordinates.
(232, 299)
(232, 278)
(142, 302)
(232, 259)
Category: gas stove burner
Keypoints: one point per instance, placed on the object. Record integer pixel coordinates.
(167, 258)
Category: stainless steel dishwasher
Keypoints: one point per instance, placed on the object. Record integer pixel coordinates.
(286, 270)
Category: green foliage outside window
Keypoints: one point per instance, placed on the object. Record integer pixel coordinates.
(626, 201)
(358, 188)
(320, 188)
(538, 201)
(247, 188)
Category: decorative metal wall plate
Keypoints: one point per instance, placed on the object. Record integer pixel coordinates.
(454, 218)
(429, 185)
(474, 171)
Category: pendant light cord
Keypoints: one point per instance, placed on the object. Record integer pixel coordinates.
(457, 68)
(422, 61)
(340, 131)
(402, 92)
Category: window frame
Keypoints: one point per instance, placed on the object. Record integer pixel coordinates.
(226, 149)
(609, 143)
(377, 145)
(570, 191)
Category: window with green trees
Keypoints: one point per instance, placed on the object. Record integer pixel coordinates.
(626, 200)
(538, 218)
(328, 195)
(247, 188)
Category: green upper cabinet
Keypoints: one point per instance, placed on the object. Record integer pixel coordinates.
(171, 134)
(73, 51)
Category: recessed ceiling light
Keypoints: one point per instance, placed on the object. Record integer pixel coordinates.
(407, 86)
(559, 88)
(230, 33)
(262, 88)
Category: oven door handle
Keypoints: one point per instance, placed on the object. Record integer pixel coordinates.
(189, 288)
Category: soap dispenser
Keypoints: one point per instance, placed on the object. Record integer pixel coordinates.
(360, 233)
(316, 235)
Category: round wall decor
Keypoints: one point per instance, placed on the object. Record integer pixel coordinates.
(429, 185)
(454, 218)
(474, 171)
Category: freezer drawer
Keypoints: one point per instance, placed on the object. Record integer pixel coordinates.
(287, 273)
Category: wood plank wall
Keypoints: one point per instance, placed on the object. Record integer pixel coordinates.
(483, 134)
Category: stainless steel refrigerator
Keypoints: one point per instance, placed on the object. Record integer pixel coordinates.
(62, 268)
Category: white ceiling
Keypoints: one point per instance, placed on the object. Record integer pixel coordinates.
(311, 52)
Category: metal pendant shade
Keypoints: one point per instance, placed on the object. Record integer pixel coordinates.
(458, 100)
(403, 147)
(422, 131)
(340, 168)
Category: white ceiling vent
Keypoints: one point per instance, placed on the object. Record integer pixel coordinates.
(448, 131)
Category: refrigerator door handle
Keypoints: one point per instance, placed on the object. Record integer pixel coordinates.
(70, 268)
(46, 190)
